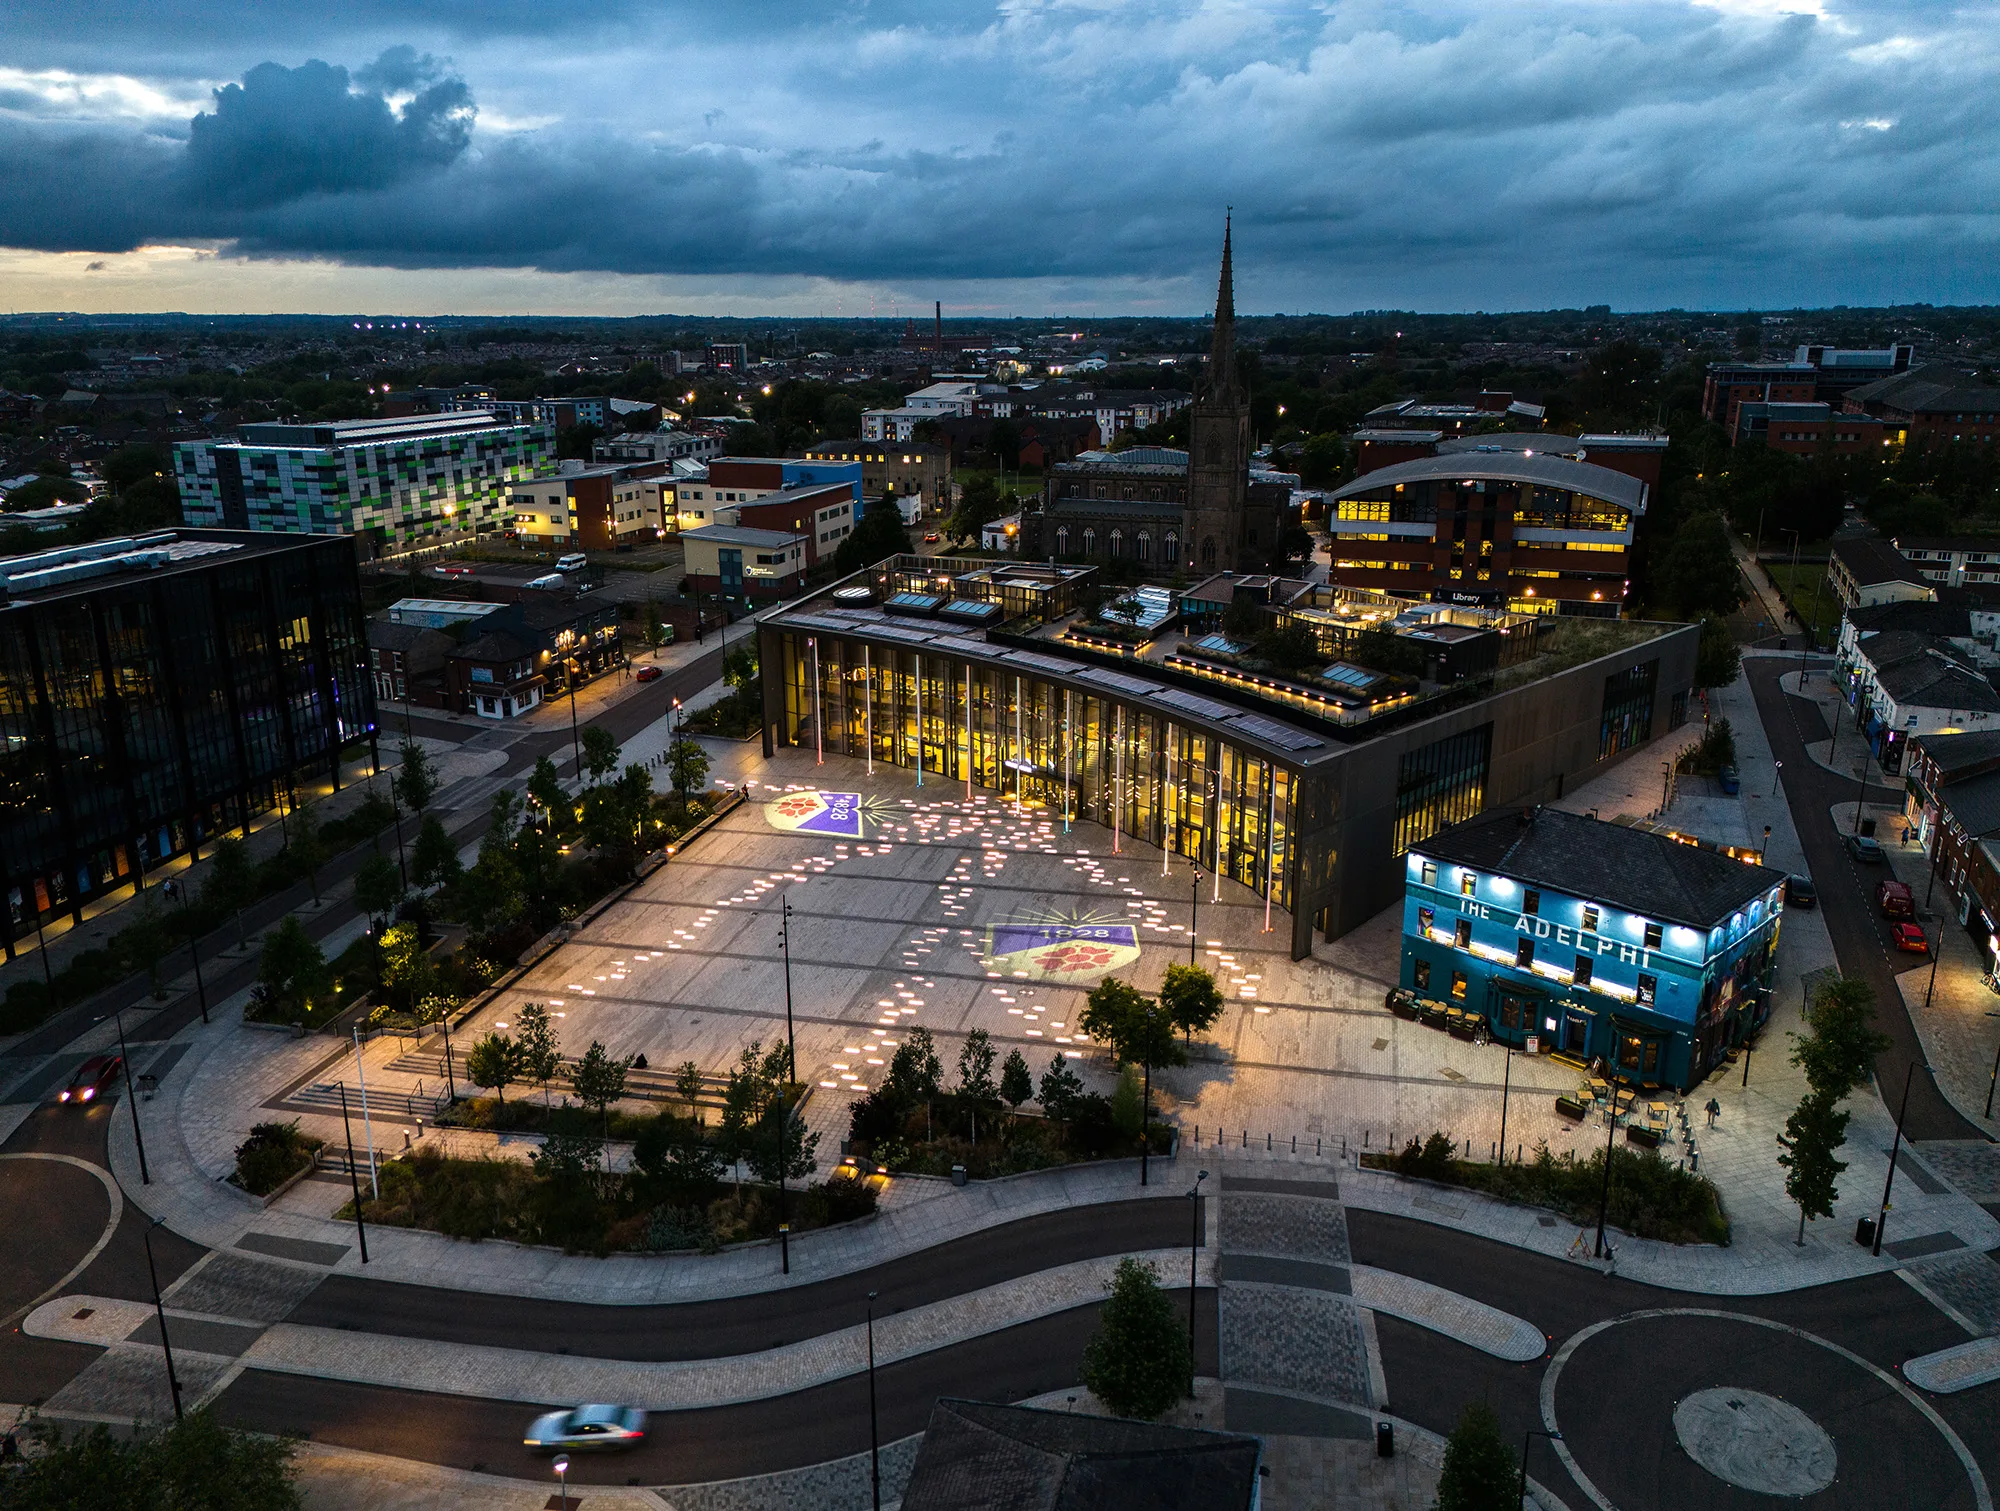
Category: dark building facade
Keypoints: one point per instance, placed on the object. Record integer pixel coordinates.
(1311, 812)
(159, 691)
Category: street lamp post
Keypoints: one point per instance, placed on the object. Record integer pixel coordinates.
(1506, 1085)
(1995, 1076)
(160, 1312)
(1194, 911)
(874, 1426)
(1194, 1244)
(1604, 1198)
(178, 892)
(353, 1174)
(1860, 788)
(1146, 1102)
(125, 1064)
(561, 1467)
(1895, 1152)
(1526, 1438)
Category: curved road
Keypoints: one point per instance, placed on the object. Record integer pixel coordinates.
(1846, 894)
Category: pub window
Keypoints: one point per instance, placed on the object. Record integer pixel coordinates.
(1649, 1064)
(1524, 954)
(1652, 936)
(1649, 988)
(1458, 985)
(1430, 873)
(1628, 1052)
(1583, 965)
(1468, 885)
(1589, 919)
(1463, 936)
(1513, 1011)
(1425, 918)
(1421, 974)
(1531, 902)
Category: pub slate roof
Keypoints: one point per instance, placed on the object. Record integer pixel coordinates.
(1632, 869)
(1956, 754)
(1918, 614)
(1924, 671)
(1974, 804)
(977, 1456)
(1869, 561)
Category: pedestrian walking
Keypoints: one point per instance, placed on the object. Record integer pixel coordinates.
(1714, 1110)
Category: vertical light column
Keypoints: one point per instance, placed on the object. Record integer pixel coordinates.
(968, 731)
(1066, 742)
(920, 717)
(1269, 836)
(1170, 806)
(1117, 777)
(868, 703)
(1020, 755)
(819, 722)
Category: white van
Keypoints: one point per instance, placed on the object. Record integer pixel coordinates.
(574, 562)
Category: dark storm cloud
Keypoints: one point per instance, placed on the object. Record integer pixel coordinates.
(1447, 155)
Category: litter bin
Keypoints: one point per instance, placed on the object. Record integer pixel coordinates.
(1385, 1440)
(1864, 1232)
(958, 1175)
(1868, 828)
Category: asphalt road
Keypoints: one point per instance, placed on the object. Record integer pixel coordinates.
(1615, 1397)
(747, 1324)
(1846, 895)
(756, 1437)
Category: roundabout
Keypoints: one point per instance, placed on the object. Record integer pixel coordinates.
(79, 1206)
(1724, 1410)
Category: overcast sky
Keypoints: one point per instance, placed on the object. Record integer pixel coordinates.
(492, 156)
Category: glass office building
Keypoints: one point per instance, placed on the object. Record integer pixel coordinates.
(935, 667)
(158, 691)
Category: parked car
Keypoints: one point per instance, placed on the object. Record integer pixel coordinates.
(1864, 849)
(587, 1427)
(91, 1080)
(932, 538)
(1731, 779)
(1909, 937)
(1893, 900)
(1800, 892)
(648, 674)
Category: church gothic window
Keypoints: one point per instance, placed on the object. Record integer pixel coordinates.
(1208, 550)
(1117, 543)
(1062, 540)
(1089, 542)
(1173, 549)
(1145, 546)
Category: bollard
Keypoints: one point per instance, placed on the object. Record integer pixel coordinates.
(1318, 1146)
(1197, 1135)
(1494, 1154)
(1246, 1138)
(1267, 1143)
(1295, 1143)
(1364, 1138)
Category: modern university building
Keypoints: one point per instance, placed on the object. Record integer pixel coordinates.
(1305, 785)
(1596, 941)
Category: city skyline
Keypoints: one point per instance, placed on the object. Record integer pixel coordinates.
(798, 162)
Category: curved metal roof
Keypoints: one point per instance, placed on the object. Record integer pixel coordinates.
(1508, 467)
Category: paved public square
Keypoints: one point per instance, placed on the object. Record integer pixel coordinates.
(918, 906)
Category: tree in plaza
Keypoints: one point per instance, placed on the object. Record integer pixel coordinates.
(489, 894)
(538, 862)
(687, 765)
(568, 1159)
(1717, 660)
(407, 973)
(975, 1067)
(539, 1055)
(292, 967)
(1140, 1360)
(880, 534)
(1812, 1133)
(434, 858)
(377, 886)
(231, 883)
(1061, 1089)
(1480, 1471)
(600, 752)
(1190, 999)
(1118, 1014)
(188, 1463)
(1016, 1084)
(493, 1062)
(599, 1079)
(655, 626)
(1840, 1044)
(682, 1166)
(504, 820)
(306, 845)
(914, 1069)
(780, 1138)
(689, 1085)
(633, 792)
(416, 784)
(545, 790)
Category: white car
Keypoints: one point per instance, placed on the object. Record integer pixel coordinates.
(587, 1427)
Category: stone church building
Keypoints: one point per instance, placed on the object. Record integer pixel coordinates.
(1165, 510)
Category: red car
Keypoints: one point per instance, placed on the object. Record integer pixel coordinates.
(91, 1079)
(930, 540)
(1909, 937)
(647, 674)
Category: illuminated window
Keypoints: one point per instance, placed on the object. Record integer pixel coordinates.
(1468, 885)
(1590, 919)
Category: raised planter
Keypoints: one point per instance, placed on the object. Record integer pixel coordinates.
(1401, 1001)
(1643, 1136)
(1569, 1107)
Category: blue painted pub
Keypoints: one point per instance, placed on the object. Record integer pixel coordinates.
(1596, 941)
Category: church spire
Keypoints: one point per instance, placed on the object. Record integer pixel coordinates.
(1221, 376)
